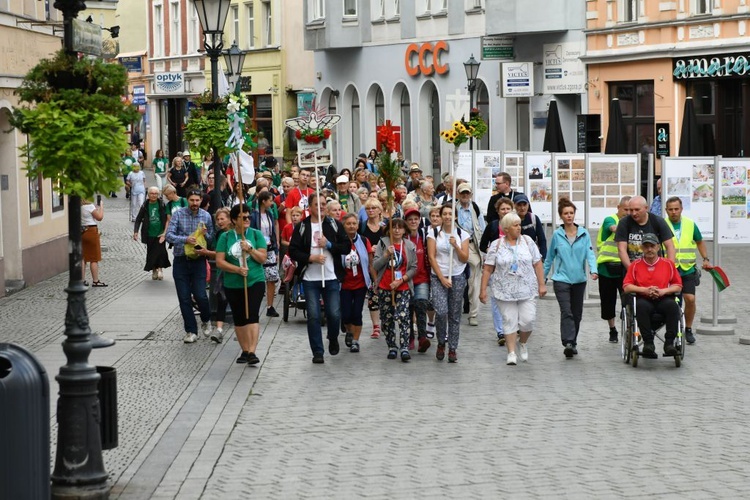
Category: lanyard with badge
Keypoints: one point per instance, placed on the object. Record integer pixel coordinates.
(398, 259)
(514, 264)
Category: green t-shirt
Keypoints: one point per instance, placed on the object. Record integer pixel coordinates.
(154, 221)
(229, 245)
(126, 169)
(344, 202)
(697, 236)
(160, 165)
(173, 206)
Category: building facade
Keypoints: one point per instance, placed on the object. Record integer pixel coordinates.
(33, 230)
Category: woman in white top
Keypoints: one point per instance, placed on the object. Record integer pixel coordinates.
(136, 181)
(447, 280)
(91, 215)
(518, 280)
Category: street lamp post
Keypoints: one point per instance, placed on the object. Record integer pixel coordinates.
(472, 71)
(234, 60)
(212, 15)
(79, 468)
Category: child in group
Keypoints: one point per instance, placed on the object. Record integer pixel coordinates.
(286, 236)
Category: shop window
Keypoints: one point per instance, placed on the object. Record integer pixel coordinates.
(58, 199)
(379, 108)
(405, 123)
(35, 197)
(637, 105)
(483, 104)
(350, 8)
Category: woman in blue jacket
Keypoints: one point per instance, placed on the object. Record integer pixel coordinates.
(569, 251)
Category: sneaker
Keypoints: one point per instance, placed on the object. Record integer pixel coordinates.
(354, 347)
(670, 349)
(190, 338)
(243, 357)
(649, 351)
(424, 344)
(689, 337)
(217, 336)
(575, 350)
(333, 346)
(473, 322)
(430, 330)
(411, 344)
(405, 356)
(613, 335)
(271, 312)
(440, 354)
(512, 359)
(375, 332)
(349, 339)
(568, 351)
(501, 340)
(154, 275)
(452, 358)
(160, 275)
(392, 354)
(252, 359)
(318, 359)
(206, 329)
(523, 351)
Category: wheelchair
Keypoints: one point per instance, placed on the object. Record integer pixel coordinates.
(293, 299)
(631, 341)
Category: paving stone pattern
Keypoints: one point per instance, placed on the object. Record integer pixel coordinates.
(194, 424)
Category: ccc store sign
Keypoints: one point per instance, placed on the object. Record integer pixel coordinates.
(425, 59)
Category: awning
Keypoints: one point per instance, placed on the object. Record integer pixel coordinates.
(131, 54)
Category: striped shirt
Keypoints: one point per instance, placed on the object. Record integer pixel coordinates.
(183, 223)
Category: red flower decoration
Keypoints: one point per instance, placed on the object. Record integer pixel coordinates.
(326, 133)
(298, 134)
(386, 137)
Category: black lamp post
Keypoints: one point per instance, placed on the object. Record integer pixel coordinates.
(212, 15)
(79, 468)
(234, 60)
(472, 71)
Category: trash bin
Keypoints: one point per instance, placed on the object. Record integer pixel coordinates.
(108, 406)
(24, 425)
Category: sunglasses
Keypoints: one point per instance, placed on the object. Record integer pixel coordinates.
(194, 192)
(245, 217)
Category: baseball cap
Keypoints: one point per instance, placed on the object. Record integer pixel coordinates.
(341, 179)
(520, 198)
(650, 238)
(464, 188)
(410, 212)
(186, 153)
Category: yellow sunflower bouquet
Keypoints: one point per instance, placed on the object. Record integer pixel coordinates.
(462, 130)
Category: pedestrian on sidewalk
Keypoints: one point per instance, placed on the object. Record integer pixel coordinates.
(420, 302)
(263, 220)
(241, 253)
(136, 182)
(91, 215)
(356, 282)
(317, 245)
(372, 230)
(223, 224)
(570, 250)
(190, 274)
(160, 164)
(152, 223)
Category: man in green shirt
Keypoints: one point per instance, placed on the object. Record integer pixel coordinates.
(609, 268)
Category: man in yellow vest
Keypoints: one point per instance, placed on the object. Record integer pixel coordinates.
(687, 240)
(609, 267)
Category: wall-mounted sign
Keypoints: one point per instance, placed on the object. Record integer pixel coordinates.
(662, 139)
(139, 95)
(87, 37)
(497, 47)
(172, 82)
(711, 66)
(518, 79)
(424, 59)
(132, 63)
(564, 73)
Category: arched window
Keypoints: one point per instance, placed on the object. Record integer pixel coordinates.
(379, 107)
(483, 103)
(356, 146)
(435, 129)
(406, 124)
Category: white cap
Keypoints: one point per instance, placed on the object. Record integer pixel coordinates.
(342, 179)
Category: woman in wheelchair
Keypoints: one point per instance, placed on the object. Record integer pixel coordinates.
(655, 281)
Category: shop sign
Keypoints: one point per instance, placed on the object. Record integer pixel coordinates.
(305, 102)
(132, 63)
(172, 82)
(711, 66)
(518, 79)
(564, 72)
(87, 38)
(497, 47)
(139, 95)
(427, 57)
(662, 140)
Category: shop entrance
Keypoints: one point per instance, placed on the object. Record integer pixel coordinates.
(719, 109)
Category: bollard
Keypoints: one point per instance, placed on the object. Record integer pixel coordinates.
(107, 388)
(24, 425)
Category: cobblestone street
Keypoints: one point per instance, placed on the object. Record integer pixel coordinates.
(194, 424)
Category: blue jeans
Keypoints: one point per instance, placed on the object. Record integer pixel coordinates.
(331, 297)
(497, 319)
(190, 281)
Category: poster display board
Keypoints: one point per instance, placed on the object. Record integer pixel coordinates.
(538, 171)
(609, 178)
(513, 164)
(692, 180)
(733, 223)
(487, 165)
(570, 182)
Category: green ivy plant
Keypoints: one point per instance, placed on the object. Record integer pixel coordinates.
(74, 114)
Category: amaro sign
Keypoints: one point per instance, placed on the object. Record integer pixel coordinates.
(711, 66)
(169, 83)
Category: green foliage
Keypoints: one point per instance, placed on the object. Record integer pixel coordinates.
(207, 129)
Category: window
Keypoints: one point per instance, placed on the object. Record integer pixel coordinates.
(193, 33)
(174, 28)
(396, 8)
(316, 10)
(250, 16)
(379, 108)
(235, 24)
(483, 104)
(35, 197)
(261, 113)
(267, 24)
(405, 123)
(356, 145)
(58, 199)
(629, 11)
(379, 9)
(439, 5)
(350, 8)
(158, 31)
(703, 6)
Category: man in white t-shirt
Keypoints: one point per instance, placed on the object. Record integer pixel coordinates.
(317, 245)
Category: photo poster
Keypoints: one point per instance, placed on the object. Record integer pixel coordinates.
(692, 180)
(570, 183)
(734, 224)
(513, 165)
(610, 177)
(314, 155)
(538, 168)
(487, 165)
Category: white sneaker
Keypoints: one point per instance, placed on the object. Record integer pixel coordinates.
(218, 336)
(190, 338)
(206, 329)
(512, 359)
(160, 275)
(524, 352)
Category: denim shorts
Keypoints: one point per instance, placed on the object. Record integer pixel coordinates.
(421, 291)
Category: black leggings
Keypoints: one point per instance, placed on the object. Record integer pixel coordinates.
(236, 299)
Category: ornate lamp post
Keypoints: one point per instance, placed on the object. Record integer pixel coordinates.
(234, 60)
(472, 71)
(212, 15)
(79, 468)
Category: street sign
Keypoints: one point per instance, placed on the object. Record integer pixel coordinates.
(497, 47)
(87, 38)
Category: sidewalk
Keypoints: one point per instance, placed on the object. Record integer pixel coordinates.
(194, 424)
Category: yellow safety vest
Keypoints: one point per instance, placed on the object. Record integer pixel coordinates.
(684, 245)
(607, 249)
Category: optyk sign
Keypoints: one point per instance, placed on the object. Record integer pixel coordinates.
(169, 83)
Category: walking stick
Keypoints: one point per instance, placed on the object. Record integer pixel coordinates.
(242, 236)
